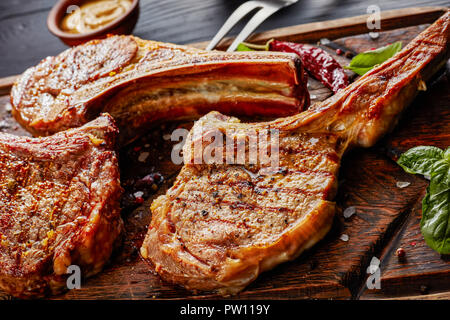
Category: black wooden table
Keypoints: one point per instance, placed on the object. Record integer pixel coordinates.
(25, 39)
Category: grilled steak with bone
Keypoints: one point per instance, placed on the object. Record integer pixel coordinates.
(221, 225)
(141, 82)
(59, 206)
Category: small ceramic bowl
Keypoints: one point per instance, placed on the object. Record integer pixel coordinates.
(122, 25)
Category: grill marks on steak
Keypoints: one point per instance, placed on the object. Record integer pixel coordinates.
(56, 78)
(142, 82)
(219, 226)
(59, 205)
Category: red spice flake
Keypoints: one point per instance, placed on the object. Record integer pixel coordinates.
(413, 243)
(136, 149)
(339, 52)
(157, 177)
(139, 200)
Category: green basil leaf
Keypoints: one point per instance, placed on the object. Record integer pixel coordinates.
(435, 223)
(447, 154)
(440, 180)
(359, 70)
(420, 160)
(365, 61)
(243, 47)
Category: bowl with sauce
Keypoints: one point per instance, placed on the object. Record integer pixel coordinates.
(78, 21)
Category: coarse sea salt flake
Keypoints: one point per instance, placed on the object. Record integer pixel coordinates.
(138, 194)
(403, 184)
(313, 141)
(348, 212)
(344, 237)
(167, 136)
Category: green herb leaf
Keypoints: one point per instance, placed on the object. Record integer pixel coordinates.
(419, 160)
(243, 47)
(365, 61)
(447, 154)
(435, 223)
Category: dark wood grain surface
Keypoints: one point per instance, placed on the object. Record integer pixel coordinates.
(25, 39)
(387, 217)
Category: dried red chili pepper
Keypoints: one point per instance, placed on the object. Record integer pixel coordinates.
(317, 62)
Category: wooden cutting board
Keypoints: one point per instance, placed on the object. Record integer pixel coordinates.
(387, 217)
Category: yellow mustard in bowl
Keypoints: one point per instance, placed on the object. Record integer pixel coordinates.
(94, 14)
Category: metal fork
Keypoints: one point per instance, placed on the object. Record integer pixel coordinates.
(265, 9)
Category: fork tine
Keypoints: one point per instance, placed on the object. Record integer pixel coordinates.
(254, 22)
(234, 18)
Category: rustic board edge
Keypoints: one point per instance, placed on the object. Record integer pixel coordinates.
(332, 29)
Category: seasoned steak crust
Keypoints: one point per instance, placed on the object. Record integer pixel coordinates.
(56, 78)
(142, 82)
(59, 206)
(220, 225)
